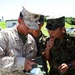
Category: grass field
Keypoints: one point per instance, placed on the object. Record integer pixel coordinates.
(3, 25)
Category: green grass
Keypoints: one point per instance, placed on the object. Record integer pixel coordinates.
(44, 30)
(68, 25)
(3, 25)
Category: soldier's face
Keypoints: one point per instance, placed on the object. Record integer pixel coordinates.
(57, 33)
(23, 28)
(36, 33)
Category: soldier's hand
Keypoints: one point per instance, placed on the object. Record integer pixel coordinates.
(50, 43)
(63, 67)
(28, 65)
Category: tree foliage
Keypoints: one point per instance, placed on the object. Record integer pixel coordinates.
(70, 20)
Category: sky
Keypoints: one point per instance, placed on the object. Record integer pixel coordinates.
(10, 9)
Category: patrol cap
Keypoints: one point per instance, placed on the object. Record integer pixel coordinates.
(55, 23)
(30, 19)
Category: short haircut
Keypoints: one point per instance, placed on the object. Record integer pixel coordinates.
(20, 15)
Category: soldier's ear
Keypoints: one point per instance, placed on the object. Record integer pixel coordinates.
(19, 20)
(63, 29)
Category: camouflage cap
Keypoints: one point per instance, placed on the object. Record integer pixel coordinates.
(30, 19)
(55, 23)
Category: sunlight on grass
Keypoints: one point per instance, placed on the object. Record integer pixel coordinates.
(3, 25)
(69, 26)
(44, 30)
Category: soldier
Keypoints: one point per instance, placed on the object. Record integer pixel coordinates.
(15, 50)
(60, 49)
(40, 39)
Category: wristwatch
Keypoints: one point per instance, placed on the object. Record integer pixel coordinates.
(69, 64)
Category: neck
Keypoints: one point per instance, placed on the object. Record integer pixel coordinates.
(19, 29)
(62, 36)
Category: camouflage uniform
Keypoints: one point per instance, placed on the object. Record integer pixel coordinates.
(41, 43)
(63, 51)
(13, 52)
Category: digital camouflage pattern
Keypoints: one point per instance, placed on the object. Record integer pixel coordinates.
(13, 51)
(63, 51)
(55, 23)
(30, 19)
(41, 43)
